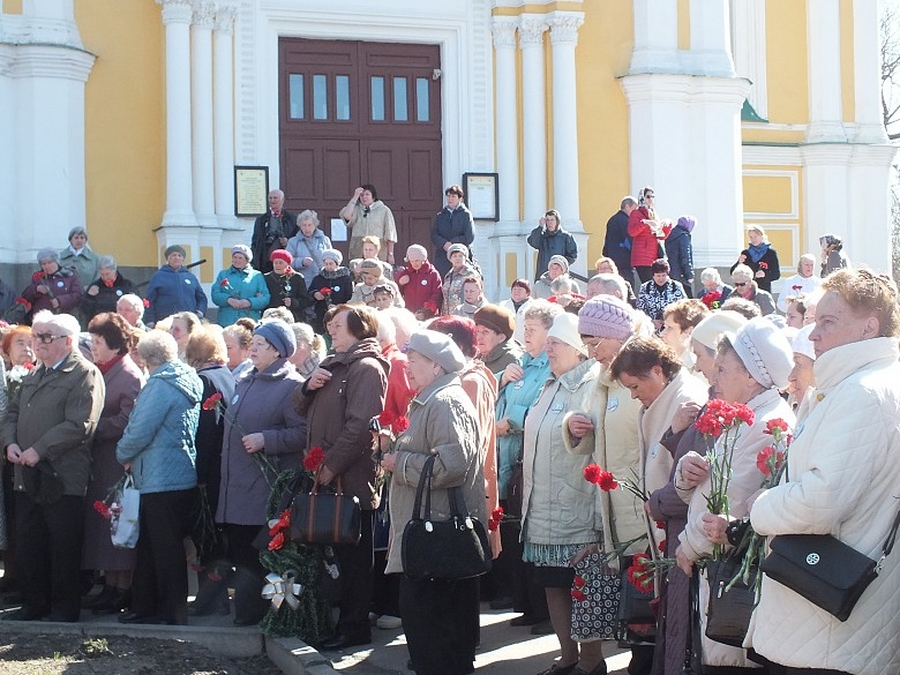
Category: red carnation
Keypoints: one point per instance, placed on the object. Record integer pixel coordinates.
(578, 596)
(762, 460)
(314, 458)
(102, 509)
(277, 542)
(24, 303)
(325, 291)
(579, 582)
(224, 283)
(36, 277)
(763, 266)
(797, 287)
(146, 303)
(592, 473)
(28, 365)
(607, 481)
(212, 402)
(772, 425)
(711, 299)
(283, 523)
(495, 518)
(402, 424)
(662, 546)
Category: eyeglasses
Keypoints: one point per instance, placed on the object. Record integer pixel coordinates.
(649, 196)
(45, 338)
(740, 285)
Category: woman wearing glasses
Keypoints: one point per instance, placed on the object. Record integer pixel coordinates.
(746, 287)
(648, 234)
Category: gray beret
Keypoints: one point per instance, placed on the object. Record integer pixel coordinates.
(48, 254)
(278, 334)
(244, 250)
(438, 347)
(333, 254)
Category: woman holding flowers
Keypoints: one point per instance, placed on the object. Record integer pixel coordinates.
(240, 291)
(340, 398)
(559, 507)
(751, 367)
(263, 435)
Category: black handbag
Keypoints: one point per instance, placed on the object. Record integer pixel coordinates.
(325, 517)
(824, 570)
(728, 612)
(636, 619)
(514, 489)
(456, 548)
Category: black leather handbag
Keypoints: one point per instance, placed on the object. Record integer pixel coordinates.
(824, 570)
(728, 612)
(457, 548)
(325, 517)
(636, 618)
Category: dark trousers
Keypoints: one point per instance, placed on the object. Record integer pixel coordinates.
(10, 557)
(160, 585)
(528, 597)
(50, 538)
(249, 573)
(437, 620)
(645, 273)
(385, 588)
(356, 564)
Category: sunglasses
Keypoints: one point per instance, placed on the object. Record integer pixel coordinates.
(742, 284)
(46, 338)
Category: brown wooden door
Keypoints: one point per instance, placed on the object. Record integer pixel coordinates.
(362, 112)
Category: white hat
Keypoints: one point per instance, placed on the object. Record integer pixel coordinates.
(710, 329)
(802, 343)
(765, 352)
(565, 328)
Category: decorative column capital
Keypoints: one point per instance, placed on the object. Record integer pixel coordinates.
(564, 27)
(531, 29)
(225, 16)
(204, 14)
(176, 11)
(504, 31)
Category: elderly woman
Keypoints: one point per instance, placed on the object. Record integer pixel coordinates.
(679, 320)
(104, 293)
(173, 288)
(182, 325)
(237, 339)
(680, 253)
(557, 268)
(54, 288)
(306, 247)
(437, 615)
(365, 214)
(452, 225)
(714, 291)
(460, 270)
(131, 307)
(658, 293)
(518, 301)
(751, 367)
(761, 258)
(17, 347)
(287, 288)
(263, 435)
(207, 354)
(842, 480)
(747, 288)
(333, 285)
(340, 398)
(240, 291)
(549, 239)
(802, 377)
(310, 349)
(705, 339)
(80, 256)
(111, 339)
(801, 284)
(158, 448)
(419, 281)
(558, 506)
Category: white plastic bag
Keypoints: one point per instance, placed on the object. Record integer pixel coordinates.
(125, 510)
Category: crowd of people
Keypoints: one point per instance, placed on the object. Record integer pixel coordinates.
(517, 400)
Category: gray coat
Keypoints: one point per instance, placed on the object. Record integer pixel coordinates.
(441, 419)
(261, 403)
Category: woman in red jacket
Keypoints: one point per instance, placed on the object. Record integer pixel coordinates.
(647, 233)
(419, 281)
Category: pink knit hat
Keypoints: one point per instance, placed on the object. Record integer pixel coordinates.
(605, 316)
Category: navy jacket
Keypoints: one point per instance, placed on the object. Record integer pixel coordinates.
(172, 291)
(617, 244)
(450, 226)
(680, 253)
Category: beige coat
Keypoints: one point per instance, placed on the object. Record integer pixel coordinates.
(614, 440)
(844, 471)
(441, 420)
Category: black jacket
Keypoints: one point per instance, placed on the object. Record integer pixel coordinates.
(265, 238)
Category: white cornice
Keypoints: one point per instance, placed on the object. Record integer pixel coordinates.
(51, 61)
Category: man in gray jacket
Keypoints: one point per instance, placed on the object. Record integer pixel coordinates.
(47, 434)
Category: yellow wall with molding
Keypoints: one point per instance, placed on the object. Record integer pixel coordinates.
(848, 94)
(771, 193)
(786, 62)
(124, 126)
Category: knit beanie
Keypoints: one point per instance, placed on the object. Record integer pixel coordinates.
(281, 254)
(565, 328)
(278, 334)
(496, 318)
(606, 316)
(176, 248)
(561, 261)
(333, 254)
(244, 250)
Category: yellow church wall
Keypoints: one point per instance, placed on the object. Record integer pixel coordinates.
(848, 93)
(124, 127)
(11, 6)
(786, 62)
(773, 200)
(684, 24)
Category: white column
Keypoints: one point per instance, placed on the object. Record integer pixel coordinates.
(202, 113)
(176, 16)
(823, 33)
(868, 231)
(748, 29)
(504, 32)
(534, 119)
(867, 71)
(710, 52)
(655, 37)
(223, 116)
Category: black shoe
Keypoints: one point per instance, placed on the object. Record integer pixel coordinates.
(599, 669)
(24, 614)
(559, 670)
(340, 641)
(525, 620)
(543, 628)
(89, 601)
(132, 617)
(501, 603)
(114, 603)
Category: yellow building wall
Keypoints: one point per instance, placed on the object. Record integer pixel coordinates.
(124, 126)
(773, 199)
(786, 62)
(848, 92)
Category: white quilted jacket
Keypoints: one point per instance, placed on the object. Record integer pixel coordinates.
(844, 480)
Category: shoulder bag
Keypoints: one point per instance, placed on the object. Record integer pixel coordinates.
(824, 570)
(325, 517)
(456, 548)
(729, 609)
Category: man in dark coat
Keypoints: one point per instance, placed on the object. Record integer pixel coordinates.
(617, 244)
(47, 435)
(452, 225)
(272, 231)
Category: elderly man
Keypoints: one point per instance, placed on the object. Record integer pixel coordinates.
(47, 434)
(131, 307)
(494, 327)
(272, 231)
(617, 242)
(607, 284)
